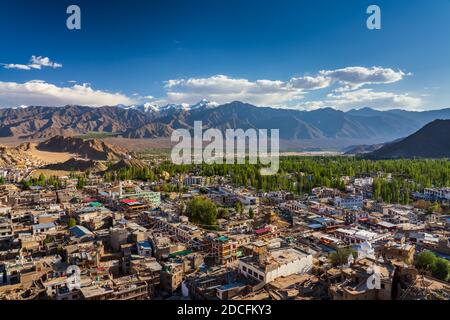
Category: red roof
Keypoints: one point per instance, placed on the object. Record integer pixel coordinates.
(90, 200)
(128, 201)
(262, 231)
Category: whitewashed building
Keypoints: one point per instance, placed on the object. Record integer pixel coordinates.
(277, 263)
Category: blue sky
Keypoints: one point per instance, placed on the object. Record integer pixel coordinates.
(296, 54)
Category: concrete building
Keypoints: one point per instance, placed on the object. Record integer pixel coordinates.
(355, 283)
(350, 202)
(171, 277)
(434, 194)
(194, 181)
(44, 227)
(356, 236)
(276, 263)
(144, 248)
(223, 249)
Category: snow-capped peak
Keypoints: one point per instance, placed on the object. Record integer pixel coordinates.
(147, 107)
(20, 107)
(152, 107)
(203, 104)
(122, 106)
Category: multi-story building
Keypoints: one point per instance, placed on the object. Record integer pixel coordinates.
(6, 231)
(171, 277)
(350, 202)
(356, 236)
(223, 250)
(277, 263)
(194, 181)
(434, 194)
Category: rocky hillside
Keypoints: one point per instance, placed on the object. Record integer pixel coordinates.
(14, 156)
(77, 165)
(91, 149)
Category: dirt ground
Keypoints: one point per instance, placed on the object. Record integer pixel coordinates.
(50, 157)
(130, 144)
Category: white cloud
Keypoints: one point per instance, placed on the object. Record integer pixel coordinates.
(373, 99)
(41, 93)
(355, 77)
(310, 83)
(343, 90)
(36, 62)
(278, 93)
(223, 89)
(16, 66)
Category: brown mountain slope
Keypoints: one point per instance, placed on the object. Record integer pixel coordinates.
(12, 156)
(77, 165)
(151, 130)
(92, 149)
(126, 163)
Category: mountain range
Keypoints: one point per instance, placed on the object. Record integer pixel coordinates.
(151, 121)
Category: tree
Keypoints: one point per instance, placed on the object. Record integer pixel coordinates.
(441, 269)
(340, 256)
(202, 211)
(238, 207)
(48, 239)
(41, 180)
(223, 213)
(251, 213)
(435, 207)
(26, 184)
(72, 222)
(425, 260)
(81, 182)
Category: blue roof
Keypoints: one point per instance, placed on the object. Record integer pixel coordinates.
(80, 231)
(315, 226)
(322, 219)
(144, 244)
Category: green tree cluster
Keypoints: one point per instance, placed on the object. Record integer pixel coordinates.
(428, 261)
(202, 211)
(72, 222)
